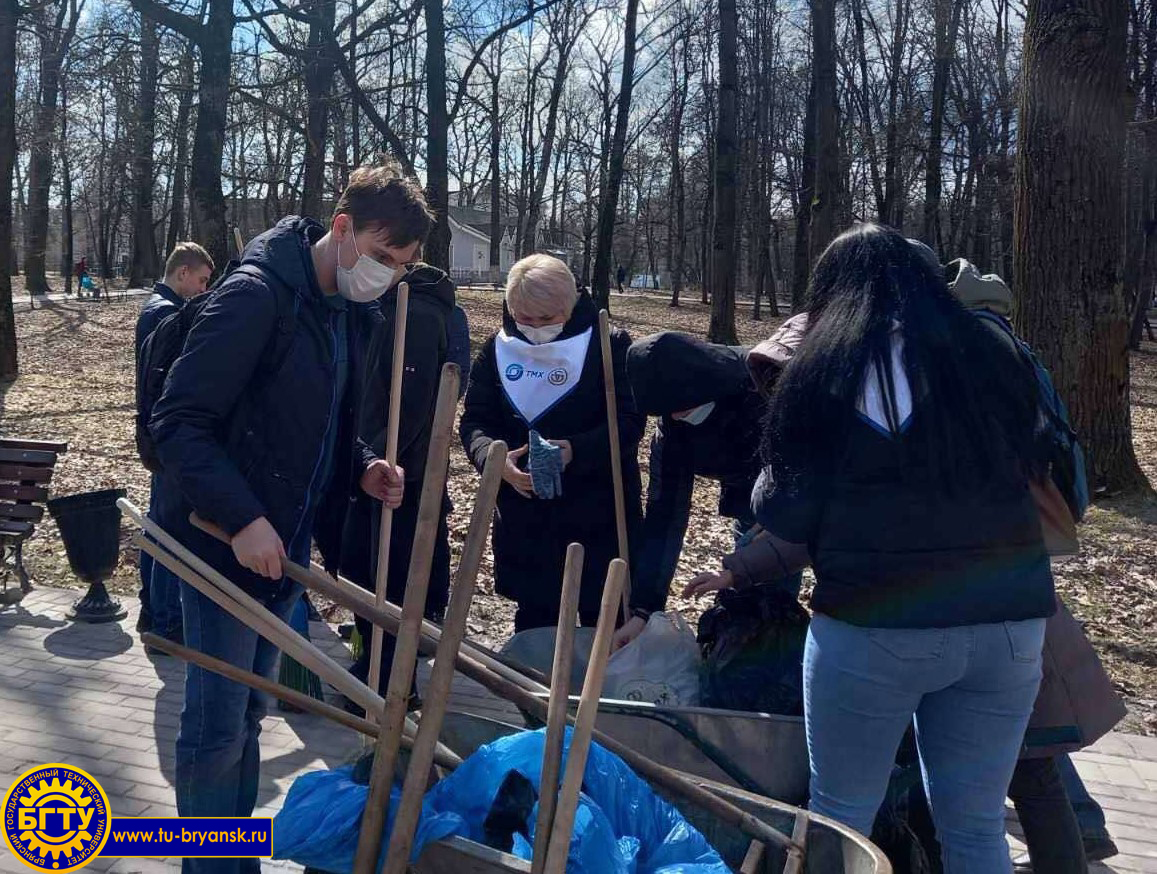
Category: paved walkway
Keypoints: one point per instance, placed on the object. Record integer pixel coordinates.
(89, 696)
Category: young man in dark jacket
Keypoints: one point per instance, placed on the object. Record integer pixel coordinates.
(187, 273)
(257, 428)
(427, 348)
(709, 425)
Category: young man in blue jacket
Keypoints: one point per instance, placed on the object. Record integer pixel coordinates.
(187, 273)
(257, 427)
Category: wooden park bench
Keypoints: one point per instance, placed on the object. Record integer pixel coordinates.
(25, 471)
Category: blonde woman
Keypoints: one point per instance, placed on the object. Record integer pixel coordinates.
(543, 372)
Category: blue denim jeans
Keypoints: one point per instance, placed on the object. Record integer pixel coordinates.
(163, 586)
(970, 691)
(1090, 816)
(218, 757)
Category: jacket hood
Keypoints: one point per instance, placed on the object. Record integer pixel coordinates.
(671, 371)
(284, 251)
(433, 285)
(769, 357)
(978, 290)
(583, 316)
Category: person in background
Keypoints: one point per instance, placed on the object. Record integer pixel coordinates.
(1076, 698)
(187, 273)
(710, 416)
(621, 277)
(900, 443)
(538, 385)
(428, 326)
(257, 429)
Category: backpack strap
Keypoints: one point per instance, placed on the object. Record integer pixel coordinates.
(286, 322)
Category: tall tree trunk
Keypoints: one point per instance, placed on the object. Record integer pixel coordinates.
(66, 223)
(54, 38)
(181, 154)
(144, 264)
(676, 226)
(825, 203)
(496, 226)
(801, 254)
(563, 46)
(319, 69)
(722, 327)
(893, 197)
(9, 15)
(206, 199)
(947, 14)
(609, 207)
(437, 144)
(1069, 220)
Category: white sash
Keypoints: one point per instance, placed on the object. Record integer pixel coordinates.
(535, 378)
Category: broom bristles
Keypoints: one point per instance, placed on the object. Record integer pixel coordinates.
(297, 676)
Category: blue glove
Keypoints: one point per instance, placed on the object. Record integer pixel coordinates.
(545, 467)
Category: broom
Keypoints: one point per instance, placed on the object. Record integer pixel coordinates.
(293, 673)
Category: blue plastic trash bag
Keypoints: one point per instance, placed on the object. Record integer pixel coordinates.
(621, 826)
(545, 466)
(319, 823)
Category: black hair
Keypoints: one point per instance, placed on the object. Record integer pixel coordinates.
(978, 402)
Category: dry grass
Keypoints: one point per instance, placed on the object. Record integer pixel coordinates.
(77, 385)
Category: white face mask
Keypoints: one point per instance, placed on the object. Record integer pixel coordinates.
(538, 336)
(698, 415)
(366, 281)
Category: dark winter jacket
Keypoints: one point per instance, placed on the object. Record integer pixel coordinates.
(672, 372)
(531, 535)
(426, 350)
(459, 351)
(161, 303)
(249, 406)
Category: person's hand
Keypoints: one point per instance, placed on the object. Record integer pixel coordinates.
(518, 479)
(258, 548)
(385, 482)
(632, 629)
(706, 583)
(567, 451)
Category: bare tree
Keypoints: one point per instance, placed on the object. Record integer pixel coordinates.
(609, 205)
(722, 328)
(9, 19)
(55, 28)
(144, 263)
(1069, 220)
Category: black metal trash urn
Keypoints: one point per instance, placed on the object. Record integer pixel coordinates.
(90, 525)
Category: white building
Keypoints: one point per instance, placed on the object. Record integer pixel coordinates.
(470, 246)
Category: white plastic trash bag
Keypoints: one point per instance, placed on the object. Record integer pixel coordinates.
(660, 666)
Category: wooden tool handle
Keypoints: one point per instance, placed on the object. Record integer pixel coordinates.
(557, 708)
(437, 696)
(315, 579)
(410, 629)
(616, 457)
(580, 739)
(393, 424)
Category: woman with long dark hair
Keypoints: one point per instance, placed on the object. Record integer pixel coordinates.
(900, 442)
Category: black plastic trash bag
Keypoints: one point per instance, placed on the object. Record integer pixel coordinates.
(752, 642)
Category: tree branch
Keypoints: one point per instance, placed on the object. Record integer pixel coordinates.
(190, 28)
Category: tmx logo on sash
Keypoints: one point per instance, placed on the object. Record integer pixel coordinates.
(536, 377)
